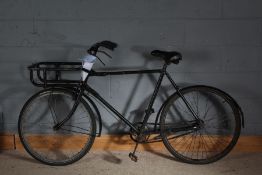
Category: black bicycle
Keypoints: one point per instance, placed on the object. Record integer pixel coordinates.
(58, 125)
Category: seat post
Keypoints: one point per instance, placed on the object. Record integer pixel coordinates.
(165, 66)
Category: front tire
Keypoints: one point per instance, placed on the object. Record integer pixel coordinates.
(56, 147)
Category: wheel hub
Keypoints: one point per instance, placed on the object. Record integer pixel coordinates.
(200, 125)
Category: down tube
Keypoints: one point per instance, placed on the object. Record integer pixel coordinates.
(110, 107)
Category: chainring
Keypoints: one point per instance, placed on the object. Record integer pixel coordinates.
(142, 138)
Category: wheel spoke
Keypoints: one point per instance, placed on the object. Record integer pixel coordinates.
(70, 130)
(72, 126)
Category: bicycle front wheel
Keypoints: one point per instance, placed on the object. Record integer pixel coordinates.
(56, 147)
(200, 143)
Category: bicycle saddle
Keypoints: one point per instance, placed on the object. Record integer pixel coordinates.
(173, 56)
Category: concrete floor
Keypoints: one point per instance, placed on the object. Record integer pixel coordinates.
(17, 163)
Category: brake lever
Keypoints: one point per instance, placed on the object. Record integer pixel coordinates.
(100, 60)
(105, 53)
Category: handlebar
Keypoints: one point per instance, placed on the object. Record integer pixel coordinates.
(107, 44)
(94, 49)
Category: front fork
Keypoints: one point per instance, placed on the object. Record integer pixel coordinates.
(79, 96)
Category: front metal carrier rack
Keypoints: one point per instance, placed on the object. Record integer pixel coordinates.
(46, 74)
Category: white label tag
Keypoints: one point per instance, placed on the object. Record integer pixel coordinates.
(87, 63)
(87, 66)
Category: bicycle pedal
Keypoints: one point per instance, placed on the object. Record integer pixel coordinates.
(133, 157)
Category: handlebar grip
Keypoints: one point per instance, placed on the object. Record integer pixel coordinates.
(108, 44)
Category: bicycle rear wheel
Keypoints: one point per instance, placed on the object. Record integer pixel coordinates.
(205, 143)
(56, 147)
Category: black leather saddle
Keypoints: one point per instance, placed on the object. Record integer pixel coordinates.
(169, 57)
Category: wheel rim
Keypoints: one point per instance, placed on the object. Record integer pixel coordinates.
(65, 145)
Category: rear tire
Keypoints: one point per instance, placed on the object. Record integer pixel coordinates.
(56, 147)
(210, 142)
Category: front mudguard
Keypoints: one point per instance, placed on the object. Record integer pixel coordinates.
(97, 113)
(91, 103)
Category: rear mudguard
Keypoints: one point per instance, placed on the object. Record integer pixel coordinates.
(157, 120)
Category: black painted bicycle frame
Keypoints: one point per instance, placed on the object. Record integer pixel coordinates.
(84, 87)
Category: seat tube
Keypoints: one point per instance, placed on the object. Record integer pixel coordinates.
(149, 109)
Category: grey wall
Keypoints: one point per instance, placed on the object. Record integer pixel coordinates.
(221, 41)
